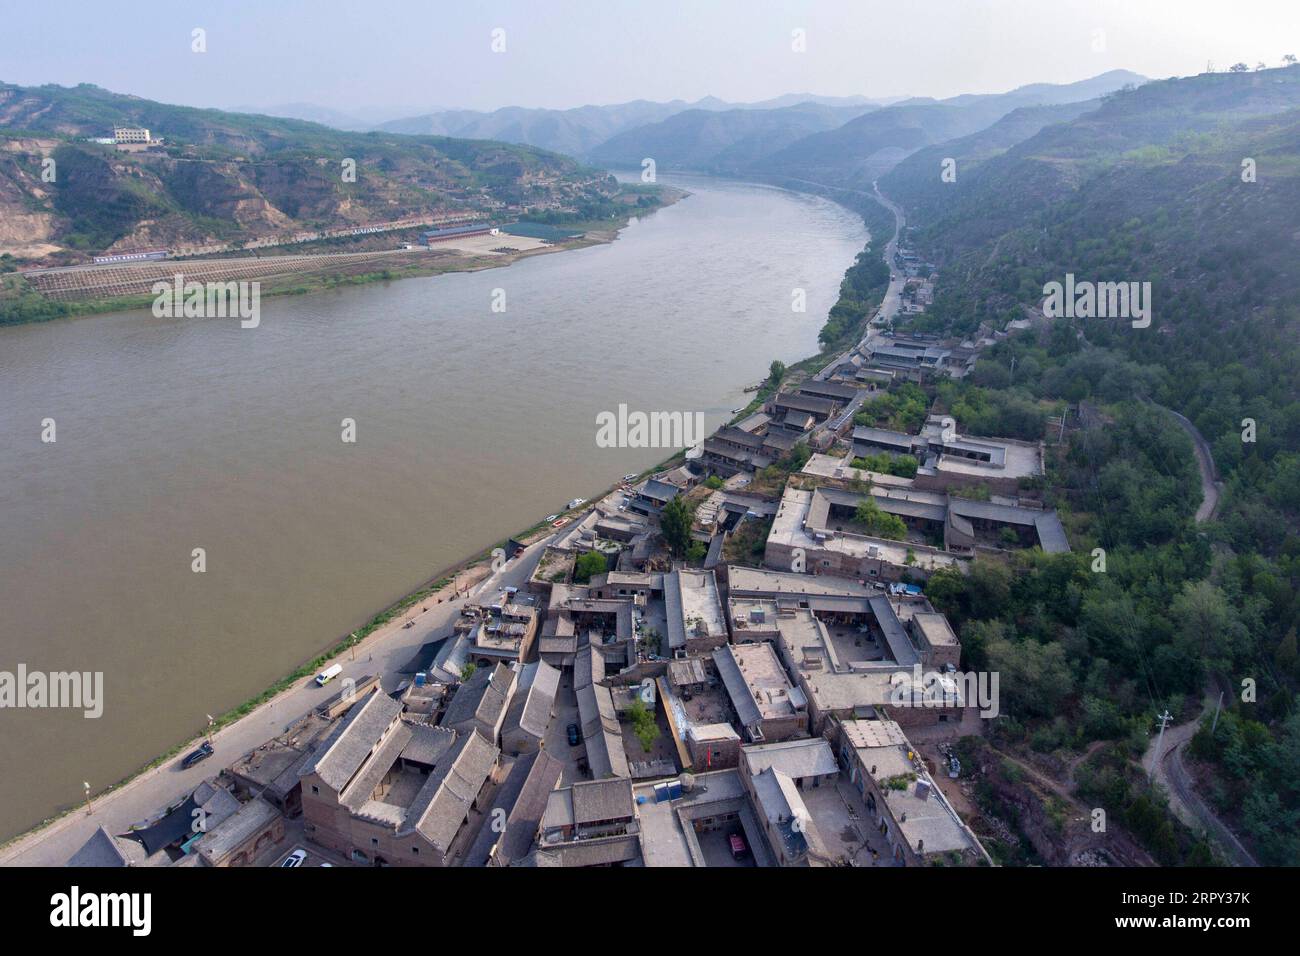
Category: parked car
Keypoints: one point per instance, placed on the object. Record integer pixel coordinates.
(574, 735)
(294, 859)
(197, 756)
(737, 844)
(328, 674)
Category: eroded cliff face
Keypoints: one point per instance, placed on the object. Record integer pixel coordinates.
(27, 225)
(106, 201)
(218, 180)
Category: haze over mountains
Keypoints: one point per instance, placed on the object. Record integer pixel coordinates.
(864, 148)
(839, 140)
(578, 131)
(1144, 182)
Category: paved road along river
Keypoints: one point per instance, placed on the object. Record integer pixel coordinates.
(470, 424)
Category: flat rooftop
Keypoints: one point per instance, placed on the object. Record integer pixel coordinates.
(760, 581)
(759, 679)
(828, 466)
(794, 528)
(935, 627)
(920, 810)
(694, 607)
(667, 837)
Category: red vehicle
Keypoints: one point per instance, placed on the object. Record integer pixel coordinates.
(738, 848)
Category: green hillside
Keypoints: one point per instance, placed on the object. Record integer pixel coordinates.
(1148, 187)
(864, 148)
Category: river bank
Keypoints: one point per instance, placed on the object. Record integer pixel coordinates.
(442, 459)
(307, 270)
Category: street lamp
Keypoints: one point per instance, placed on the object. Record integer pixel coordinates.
(89, 808)
(211, 721)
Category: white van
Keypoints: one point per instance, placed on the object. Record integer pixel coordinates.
(328, 674)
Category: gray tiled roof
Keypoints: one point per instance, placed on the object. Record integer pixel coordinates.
(428, 744)
(341, 754)
(596, 800)
(526, 815)
(100, 850)
(900, 648)
(794, 758)
(481, 700)
(539, 702)
(602, 733)
(237, 829)
(444, 801)
(588, 667)
(737, 689)
(357, 793)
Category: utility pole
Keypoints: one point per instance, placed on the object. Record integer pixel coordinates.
(1164, 719)
(1217, 707)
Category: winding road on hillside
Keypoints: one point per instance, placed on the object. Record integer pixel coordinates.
(1211, 485)
(1169, 771)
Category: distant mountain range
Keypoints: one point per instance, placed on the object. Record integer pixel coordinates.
(723, 141)
(580, 130)
(225, 176)
(1146, 182)
(798, 136)
(866, 147)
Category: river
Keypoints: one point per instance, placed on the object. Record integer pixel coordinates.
(177, 434)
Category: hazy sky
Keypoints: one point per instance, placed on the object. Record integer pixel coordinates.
(410, 56)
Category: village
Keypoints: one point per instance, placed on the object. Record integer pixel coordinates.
(771, 688)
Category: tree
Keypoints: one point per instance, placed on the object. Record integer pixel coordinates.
(1036, 679)
(775, 372)
(797, 458)
(467, 672)
(945, 589)
(1208, 626)
(643, 723)
(589, 564)
(675, 523)
(1289, 59)
(1238, 68)
(879, 523)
